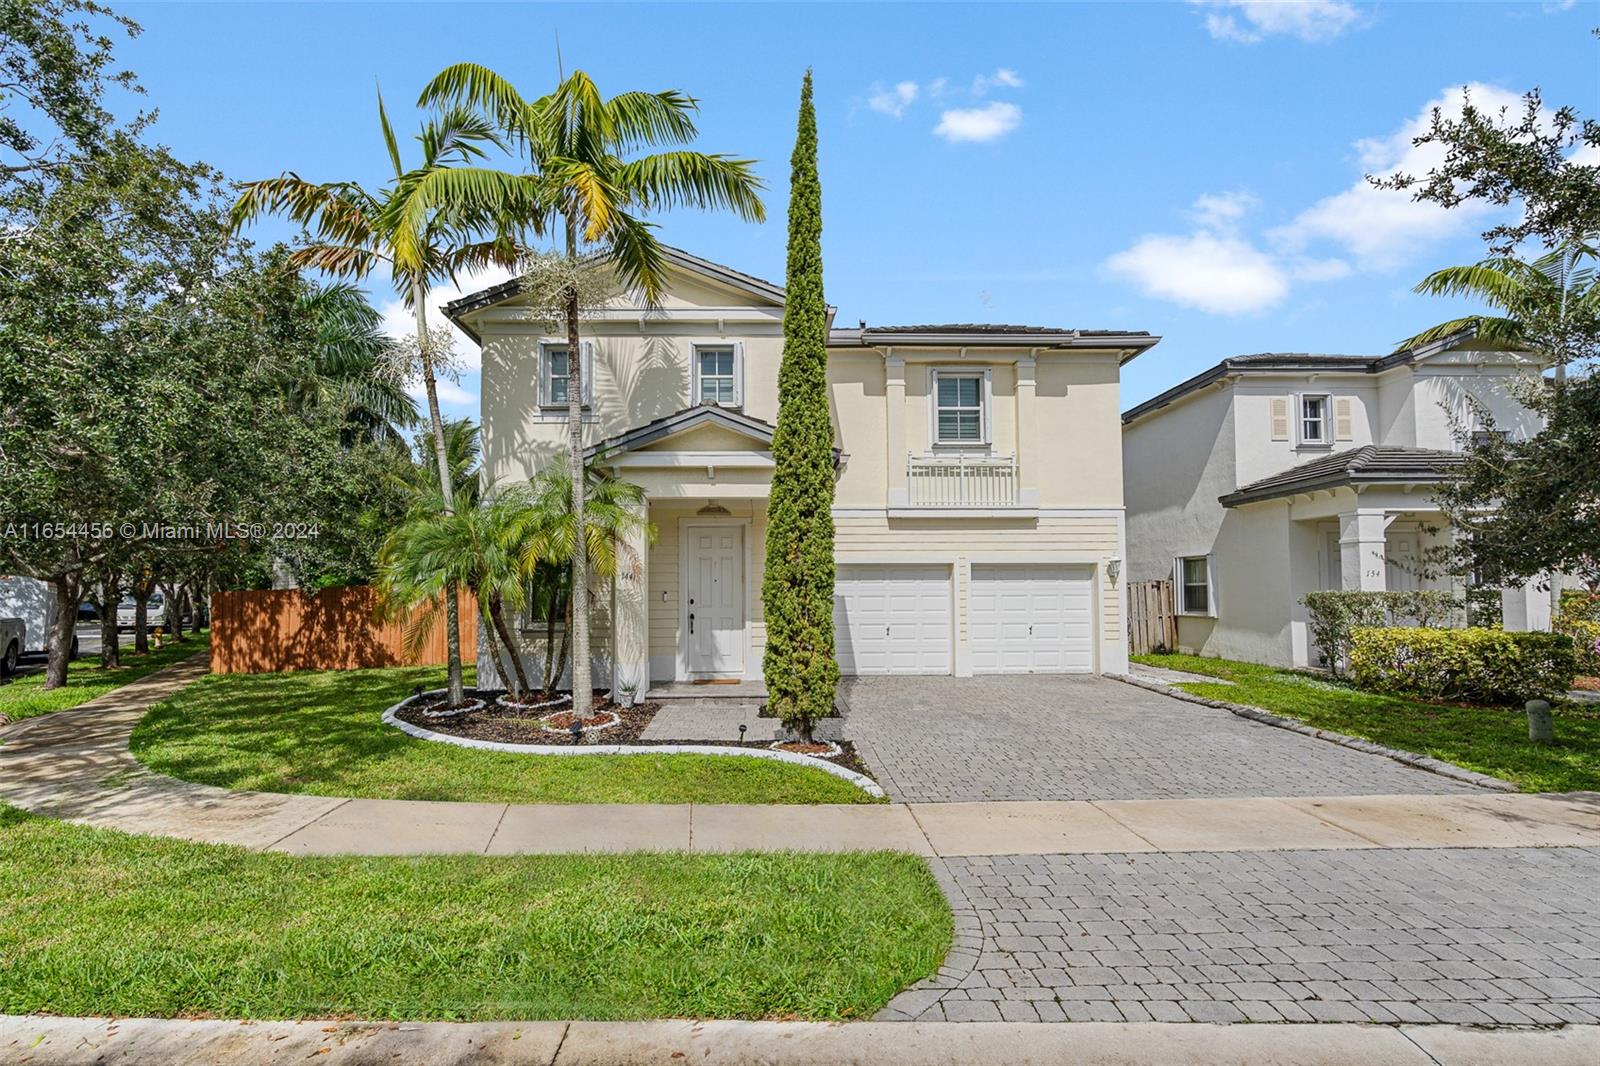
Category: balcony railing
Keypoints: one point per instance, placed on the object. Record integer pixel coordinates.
(961, 480)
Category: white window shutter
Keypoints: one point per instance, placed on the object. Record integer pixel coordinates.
(1343, 419)
(587, 348)
(1280, 418)
(1177, 583)
(988, 404)
(738, 373)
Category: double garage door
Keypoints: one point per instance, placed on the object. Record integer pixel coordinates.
(1021, 619)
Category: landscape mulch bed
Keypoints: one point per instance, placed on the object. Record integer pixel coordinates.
(506, 726)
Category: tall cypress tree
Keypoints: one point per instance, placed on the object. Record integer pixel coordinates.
(797, 589)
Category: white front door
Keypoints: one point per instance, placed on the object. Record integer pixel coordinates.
(714, 600)
(892, 619)
(1032, 619)
(1403, 562)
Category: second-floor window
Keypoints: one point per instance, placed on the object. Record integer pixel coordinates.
(553, 379)
(1314, 420)
(716, 374)
(958, 409)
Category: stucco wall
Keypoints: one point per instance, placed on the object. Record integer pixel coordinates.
(1177, 464)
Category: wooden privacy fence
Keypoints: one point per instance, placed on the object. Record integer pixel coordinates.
(266, 631)
(1152, 624)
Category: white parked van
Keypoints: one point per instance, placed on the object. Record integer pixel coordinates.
(32, 603)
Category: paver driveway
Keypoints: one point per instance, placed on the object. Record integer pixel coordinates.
(1054, 737)
(1474, 937)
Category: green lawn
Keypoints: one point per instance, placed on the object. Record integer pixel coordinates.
(320, 733)
(96, 922)
(26, 697)
(1491, 740)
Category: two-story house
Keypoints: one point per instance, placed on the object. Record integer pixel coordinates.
(1270, 476)
(978, 508)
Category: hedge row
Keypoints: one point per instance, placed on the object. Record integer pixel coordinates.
(1488, 666)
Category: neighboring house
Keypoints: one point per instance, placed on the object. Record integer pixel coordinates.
(1270, 476)
(979, 498)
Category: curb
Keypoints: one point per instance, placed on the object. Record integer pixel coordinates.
(1256, 714)
(920, 1002)
(861, 781)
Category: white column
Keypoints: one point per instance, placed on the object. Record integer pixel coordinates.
(894, 427)
(1362, 555)
(630, 621)
(1028, 457)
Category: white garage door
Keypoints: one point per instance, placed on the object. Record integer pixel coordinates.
(1032, 620)
(892, 619)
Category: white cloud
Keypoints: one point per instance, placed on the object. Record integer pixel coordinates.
(1220, 210)
(1251, 21)
(979, 123)
(894, 100)
(1212, 272)
(1386, 228)
(1002, 77)
(399, 321)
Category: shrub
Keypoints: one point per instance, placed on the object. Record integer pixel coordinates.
(1580, 620)
(1476, 665)
(1336, 612)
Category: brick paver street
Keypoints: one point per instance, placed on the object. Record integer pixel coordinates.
(1472, 936)
(1042, 737)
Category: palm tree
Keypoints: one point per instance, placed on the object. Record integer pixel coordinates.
(478, 548)
(425, 224)
(1544, 305)
(1559, 279)
(576, 144)
(614, 509)
(348, 373)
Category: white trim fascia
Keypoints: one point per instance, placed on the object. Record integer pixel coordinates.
(963, 512)
(922, 512)
(947, 557)
(633, 316)
(667, 460)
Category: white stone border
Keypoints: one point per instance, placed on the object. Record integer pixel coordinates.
(861, 781)
(833, 749)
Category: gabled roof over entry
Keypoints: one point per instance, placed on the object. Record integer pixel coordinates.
(682, 422)
(1372, 464)
(690, 418)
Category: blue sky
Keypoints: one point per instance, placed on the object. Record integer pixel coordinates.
(1192, 169)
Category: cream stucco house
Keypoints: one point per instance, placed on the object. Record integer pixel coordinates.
(979, 506)
(1270, 476)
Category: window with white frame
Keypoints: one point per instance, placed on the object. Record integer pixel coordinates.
(1194, 585)
(716, 374)
(553, 375)
(1314, 420)
(959, 409)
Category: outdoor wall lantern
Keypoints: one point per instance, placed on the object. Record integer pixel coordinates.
(1114, 570)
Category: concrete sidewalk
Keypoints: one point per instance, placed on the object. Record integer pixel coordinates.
(137, 1042)
(76, 765)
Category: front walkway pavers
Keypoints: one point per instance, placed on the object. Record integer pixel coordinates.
(1057, 737)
